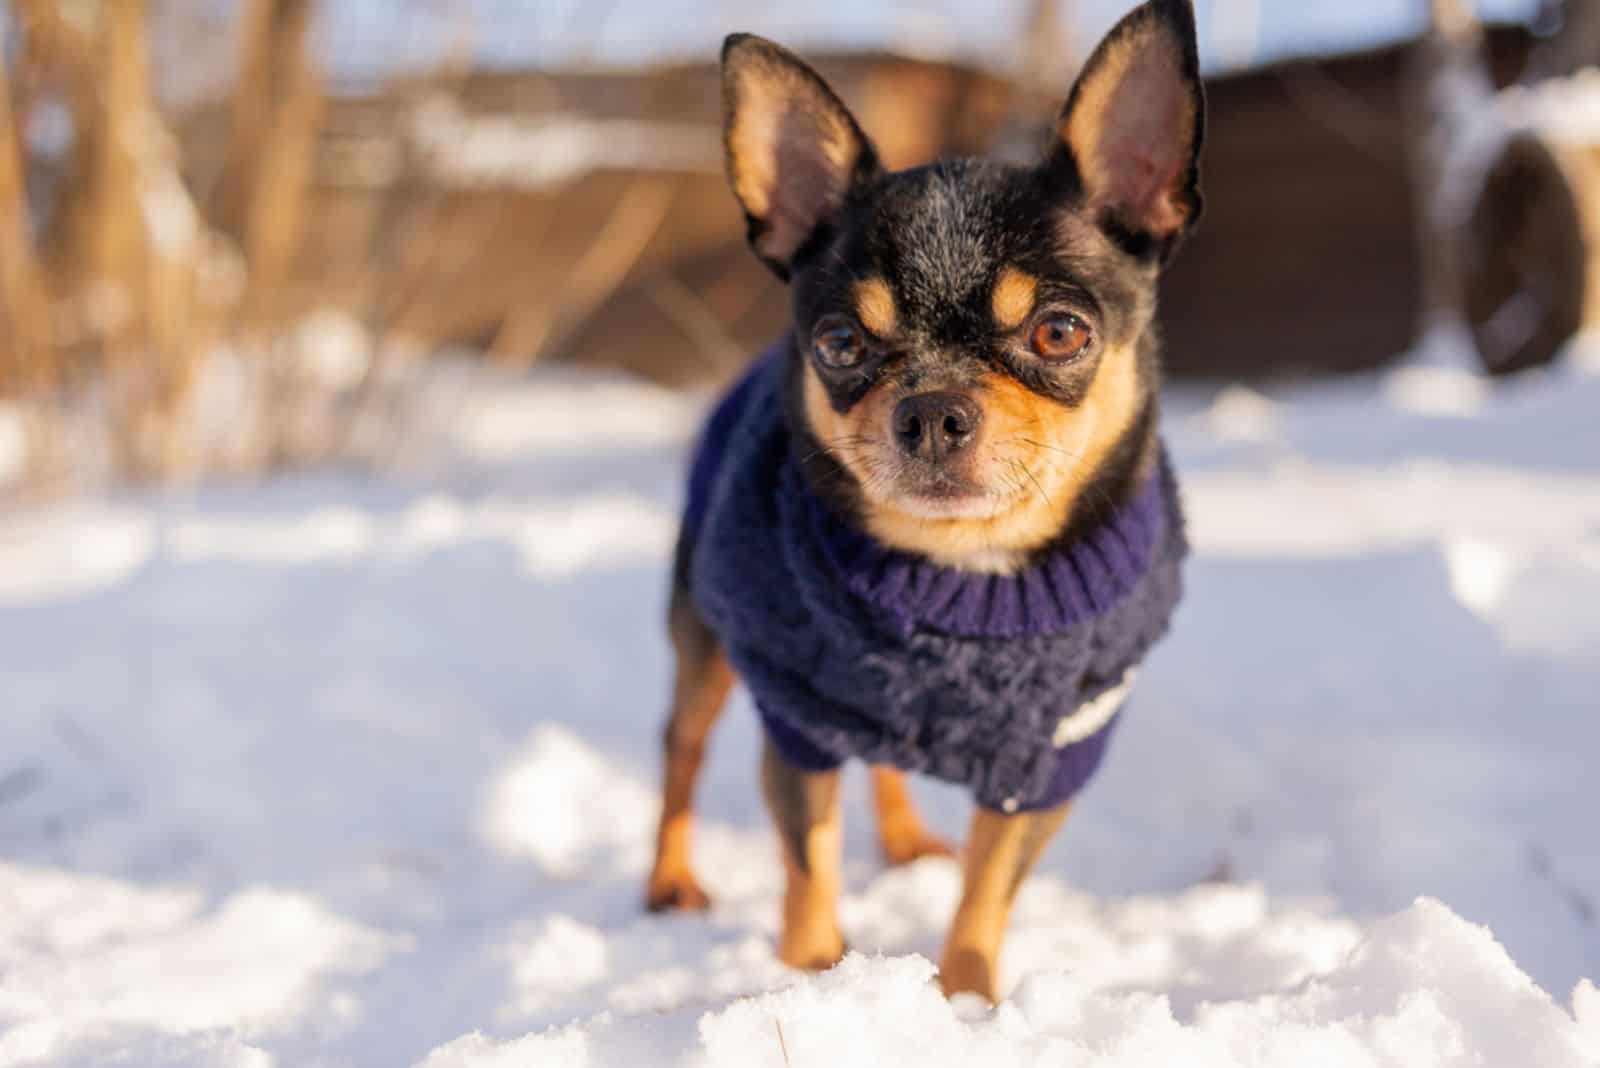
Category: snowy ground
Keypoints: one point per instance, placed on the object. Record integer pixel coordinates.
(342, 771)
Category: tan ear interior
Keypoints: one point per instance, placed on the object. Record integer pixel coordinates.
(792, 150)
(1132, 127)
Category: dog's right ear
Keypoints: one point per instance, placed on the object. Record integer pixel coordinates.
(1128, 139)
(793, 150)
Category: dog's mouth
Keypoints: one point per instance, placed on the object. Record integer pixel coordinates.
(930, 492)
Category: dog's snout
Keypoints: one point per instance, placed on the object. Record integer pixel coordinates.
(935, 426)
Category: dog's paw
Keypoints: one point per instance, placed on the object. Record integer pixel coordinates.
(967, 973)
(675, 891)
(903, 847)
(812, 955)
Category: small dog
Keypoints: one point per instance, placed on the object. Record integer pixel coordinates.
(933, 527)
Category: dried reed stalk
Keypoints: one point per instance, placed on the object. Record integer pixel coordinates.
(25, 364)
(542, 326)
(24, 305)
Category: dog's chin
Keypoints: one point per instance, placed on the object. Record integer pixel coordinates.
(950, 503)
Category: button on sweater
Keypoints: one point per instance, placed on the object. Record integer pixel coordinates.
(1008, 684)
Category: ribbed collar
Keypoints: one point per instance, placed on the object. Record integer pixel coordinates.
(1070, 585)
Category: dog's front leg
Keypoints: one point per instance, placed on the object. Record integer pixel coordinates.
(805, 806)
(700, 690)
(1001, 851)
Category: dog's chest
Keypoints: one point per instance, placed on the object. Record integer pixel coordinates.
(850, 650)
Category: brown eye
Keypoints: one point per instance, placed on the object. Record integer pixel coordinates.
(838, 343)
(1061, 337)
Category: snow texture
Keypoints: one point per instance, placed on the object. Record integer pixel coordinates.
(343, 770)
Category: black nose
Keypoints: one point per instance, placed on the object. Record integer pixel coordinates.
(935, 426)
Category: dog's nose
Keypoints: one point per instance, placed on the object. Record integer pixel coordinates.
(936, 426)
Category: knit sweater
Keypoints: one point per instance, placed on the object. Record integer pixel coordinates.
(1007, 684)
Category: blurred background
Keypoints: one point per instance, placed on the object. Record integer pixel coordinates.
(236, 234)
(350, 351)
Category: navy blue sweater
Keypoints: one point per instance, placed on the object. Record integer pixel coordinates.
(1008, 684)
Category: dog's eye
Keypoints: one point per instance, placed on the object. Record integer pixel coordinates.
(838, 342)
(1061, 337)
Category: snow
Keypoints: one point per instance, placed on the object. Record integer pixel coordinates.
(80, 955)
(1566, 110)
(334, 348)
(74, 551)
(555, 773)
(1430, 390)
(343, 769)
(1421, 988)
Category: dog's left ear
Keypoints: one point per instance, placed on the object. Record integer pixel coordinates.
(1127, 141)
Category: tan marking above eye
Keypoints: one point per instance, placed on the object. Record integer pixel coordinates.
(1013, 297)
(875, 306)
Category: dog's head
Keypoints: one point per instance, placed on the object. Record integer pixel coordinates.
(974, 339)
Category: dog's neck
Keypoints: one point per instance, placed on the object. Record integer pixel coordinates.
(1052, 593)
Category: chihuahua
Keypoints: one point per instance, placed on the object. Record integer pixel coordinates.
(933, 527)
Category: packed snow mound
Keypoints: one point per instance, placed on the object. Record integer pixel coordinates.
(543, 807)
(567, 1048)
(1423, 989)
(1567, 110)
(69, 551)
(89, 966)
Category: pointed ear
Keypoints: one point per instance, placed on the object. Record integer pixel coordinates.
(793, 150)
(1128, 139)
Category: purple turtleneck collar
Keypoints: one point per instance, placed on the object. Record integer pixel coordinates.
(1069, 585)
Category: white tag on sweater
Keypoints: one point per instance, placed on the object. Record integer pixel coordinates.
(1091, 717)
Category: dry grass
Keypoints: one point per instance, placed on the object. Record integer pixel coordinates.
(155, 311)
(171, 278)
(133, 302)
(121, 289)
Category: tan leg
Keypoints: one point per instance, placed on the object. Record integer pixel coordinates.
(901, 832)
(1001, 850)
(805, 806)
(700, 690)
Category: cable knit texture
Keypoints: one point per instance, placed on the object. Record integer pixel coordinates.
(852, 649)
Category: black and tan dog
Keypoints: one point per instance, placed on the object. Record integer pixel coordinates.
(933, 528)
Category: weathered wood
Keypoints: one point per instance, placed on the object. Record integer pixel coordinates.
(1527, 262)
(1576, 42)
(1509, 232)
(1306, 261)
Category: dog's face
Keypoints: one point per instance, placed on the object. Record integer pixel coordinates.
(974, 339)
